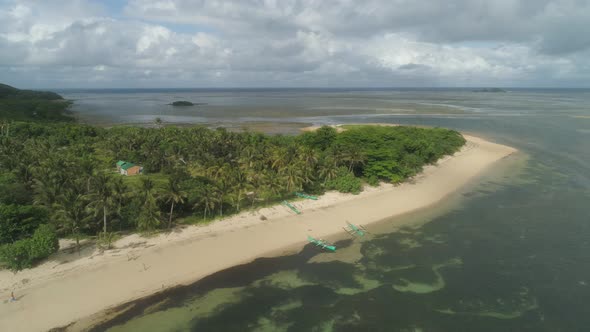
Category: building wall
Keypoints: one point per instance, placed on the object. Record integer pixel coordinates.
(133, 170)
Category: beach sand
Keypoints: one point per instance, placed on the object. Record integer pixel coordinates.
(69, 287)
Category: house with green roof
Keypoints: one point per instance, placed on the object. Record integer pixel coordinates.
(127, 168)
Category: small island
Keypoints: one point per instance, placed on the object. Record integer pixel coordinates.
(182, 103)
(489, 90)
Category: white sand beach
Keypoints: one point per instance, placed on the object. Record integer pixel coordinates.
(69, 287)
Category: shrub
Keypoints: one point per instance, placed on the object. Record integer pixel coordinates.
(345, 182)
(13, 192)
(321, 139)
(23, 254)
(372, 181)
(105, 240)
(314, 188)
(19, 221)
(44, 242)
(15, 256)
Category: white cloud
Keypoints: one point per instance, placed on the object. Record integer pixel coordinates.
(296, 42)
(152, 36)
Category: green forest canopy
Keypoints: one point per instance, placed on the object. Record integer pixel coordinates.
(29, 105)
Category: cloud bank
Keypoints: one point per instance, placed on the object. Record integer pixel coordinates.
(294, 43)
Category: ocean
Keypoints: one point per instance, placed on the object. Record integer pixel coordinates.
(511, 252)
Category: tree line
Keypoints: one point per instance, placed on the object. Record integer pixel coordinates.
(63, 174)
(28, 105)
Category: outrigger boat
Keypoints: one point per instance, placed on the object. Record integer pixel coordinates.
(354, 230)
(304, 195)
(290, 206)
(321, 243)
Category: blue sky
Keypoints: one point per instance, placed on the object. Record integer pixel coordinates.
(114, 7)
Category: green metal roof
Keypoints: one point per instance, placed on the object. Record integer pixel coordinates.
(127, 165)
(121, 163)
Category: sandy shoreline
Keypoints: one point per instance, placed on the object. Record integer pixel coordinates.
(68, 288)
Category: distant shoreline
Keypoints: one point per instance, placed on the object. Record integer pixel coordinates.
(59, 294)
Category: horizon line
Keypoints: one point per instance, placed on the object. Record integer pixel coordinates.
(313, 88)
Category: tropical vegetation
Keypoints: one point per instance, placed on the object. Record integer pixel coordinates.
(63, 175)
(16, 104)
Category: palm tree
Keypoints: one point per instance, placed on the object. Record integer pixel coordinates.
(241, 186)
(223, 185)
(119, 193)
(173, 195)
(147, 188)
(86, 168)
(149, 217)
(47, 190)
(248, 158)
(254, 180)
(73, 210)
(355, 156)
(209, 199)
(24, 173)
(309, 156)
(152, 153)
(336, 154)
(11, 152)
(102, 196)
(175, 155)
(120, 196)
(51, 177)
(279, 158)
(273, 183)
(328, 169)
(223, 188)
(219, 172)
(294, 177)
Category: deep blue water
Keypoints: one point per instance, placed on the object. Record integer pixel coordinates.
(510, 253)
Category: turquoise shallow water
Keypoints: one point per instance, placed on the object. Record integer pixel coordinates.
(510, 253)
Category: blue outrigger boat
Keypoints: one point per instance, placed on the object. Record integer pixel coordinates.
(321, 243)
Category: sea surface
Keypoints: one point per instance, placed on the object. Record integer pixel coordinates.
(511, 252)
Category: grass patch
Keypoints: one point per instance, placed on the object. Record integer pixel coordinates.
(134, 181)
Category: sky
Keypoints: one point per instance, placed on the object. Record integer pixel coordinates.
(294, 43)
